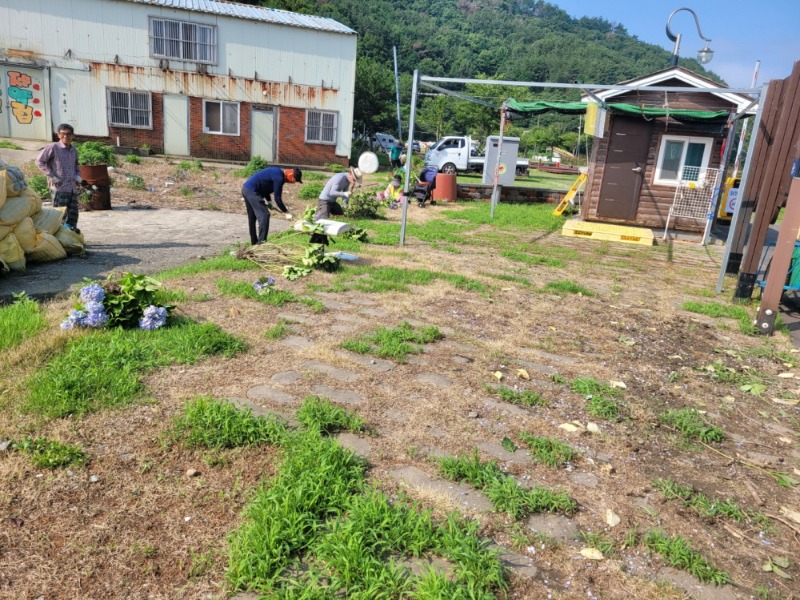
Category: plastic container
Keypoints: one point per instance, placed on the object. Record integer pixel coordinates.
(445, 190)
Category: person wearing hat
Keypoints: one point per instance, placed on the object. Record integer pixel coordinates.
(337, 187)
(393, 194)
(256, 192)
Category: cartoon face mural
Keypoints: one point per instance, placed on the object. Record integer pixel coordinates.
(25, 97)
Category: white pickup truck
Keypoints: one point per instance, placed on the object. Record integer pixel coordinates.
(452, 154)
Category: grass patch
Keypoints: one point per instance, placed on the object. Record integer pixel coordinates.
(243, 289)
(394, 343)
(598, 541)
(603, 407)
(600, 397)
(132, 159)
(224, 262)
(318, 414)
(278, 331)
(519, 397)
(10, 145)
(564, 287)
(677, 552)
(718, 311)
(393, 279)
(537, 217)
(190, 165)
(701, 504)
(502, 490)
(691, 425)
(317, 526)
(254, 165)
(511, 278)
(105, 368)
(20, 321)
(49, 454)
(548, 451)
(219, 424)
(532, 259)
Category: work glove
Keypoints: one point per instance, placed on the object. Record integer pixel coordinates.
(17, 178)
(289, 216)
(347, 195)
(56, 181)
(270, 205)
(78, 180)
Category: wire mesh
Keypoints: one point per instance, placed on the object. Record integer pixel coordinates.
(696, 195)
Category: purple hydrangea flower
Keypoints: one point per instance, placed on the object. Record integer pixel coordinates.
(95, 314)
(92, 293)
(153, 318)
(262, 284)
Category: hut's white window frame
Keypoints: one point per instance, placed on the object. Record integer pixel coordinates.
(143, 102)
(182, 40)
(317, 130)
(222, 130)
(659, 177)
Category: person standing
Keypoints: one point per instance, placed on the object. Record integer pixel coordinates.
(394, 155)
(59, 161)
(256, 192)
(337, 187)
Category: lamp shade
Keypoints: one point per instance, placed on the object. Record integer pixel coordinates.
(705, 55)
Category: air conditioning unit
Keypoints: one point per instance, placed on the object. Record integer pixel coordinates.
(201, 68)
(163, 64)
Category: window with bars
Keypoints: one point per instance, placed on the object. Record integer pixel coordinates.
(127, 108)
(677, 152)
(221, 117)
(180, 40)
(321, 127)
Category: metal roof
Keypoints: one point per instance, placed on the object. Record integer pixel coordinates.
(253, 13)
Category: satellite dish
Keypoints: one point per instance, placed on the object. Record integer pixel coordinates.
(368, 162)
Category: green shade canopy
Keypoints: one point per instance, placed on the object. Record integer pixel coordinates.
(574, 108)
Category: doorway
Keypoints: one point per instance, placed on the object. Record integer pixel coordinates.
(625, 164)
(176, 125)
(262, 136)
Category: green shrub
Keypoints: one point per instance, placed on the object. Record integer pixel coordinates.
(96, 153)
(362, 206)
(255, 164)
(38, 183)
(133, 159)
(135, 182)
(311, 190)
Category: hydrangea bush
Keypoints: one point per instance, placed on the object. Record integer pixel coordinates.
(127, 302)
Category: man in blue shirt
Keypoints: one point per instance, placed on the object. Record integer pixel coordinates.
(256, 192)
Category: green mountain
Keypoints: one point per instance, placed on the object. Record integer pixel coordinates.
(515, 40)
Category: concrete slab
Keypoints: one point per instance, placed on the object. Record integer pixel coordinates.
(331, 371)
(337, 395)
(459, 493)
(265, 392)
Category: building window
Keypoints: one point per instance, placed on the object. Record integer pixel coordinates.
(221, 117)
(677, 152)
(191, 42)
(321, 127)
(127, 108)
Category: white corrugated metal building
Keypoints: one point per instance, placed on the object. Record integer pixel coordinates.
(204, 78)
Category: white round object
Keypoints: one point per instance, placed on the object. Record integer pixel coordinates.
(368, 162)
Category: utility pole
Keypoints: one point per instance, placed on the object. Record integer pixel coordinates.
(397, 95)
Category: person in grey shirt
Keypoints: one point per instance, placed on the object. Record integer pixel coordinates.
(337, 187)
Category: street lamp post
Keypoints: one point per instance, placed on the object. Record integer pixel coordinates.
(703, 56)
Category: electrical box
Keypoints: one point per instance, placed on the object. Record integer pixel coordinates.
(508, 160)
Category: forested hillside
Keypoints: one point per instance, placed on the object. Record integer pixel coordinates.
(519, 40)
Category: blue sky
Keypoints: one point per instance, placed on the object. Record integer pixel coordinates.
(741, 32)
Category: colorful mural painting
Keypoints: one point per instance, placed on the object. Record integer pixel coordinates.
(25, 96)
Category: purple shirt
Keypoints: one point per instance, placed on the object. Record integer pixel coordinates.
(56, 160)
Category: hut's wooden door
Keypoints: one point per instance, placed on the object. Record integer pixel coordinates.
(624, 169)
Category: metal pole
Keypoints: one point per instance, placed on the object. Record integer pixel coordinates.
(744, 128)
(496, 182)
(736, 225)
(411, 118)
(397, 94)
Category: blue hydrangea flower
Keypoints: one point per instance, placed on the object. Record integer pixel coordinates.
(95, 314)
(76, 318)
(92, 293)
(153, 317)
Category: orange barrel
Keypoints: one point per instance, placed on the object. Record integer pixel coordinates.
(445, 189)
(99, 187)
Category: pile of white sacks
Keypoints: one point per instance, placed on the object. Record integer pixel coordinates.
(28, 231)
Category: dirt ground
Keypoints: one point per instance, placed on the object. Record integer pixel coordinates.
(133, 524)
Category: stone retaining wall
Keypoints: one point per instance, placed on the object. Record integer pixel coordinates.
(509, 194)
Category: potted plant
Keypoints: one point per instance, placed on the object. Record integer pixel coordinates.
(94, 158)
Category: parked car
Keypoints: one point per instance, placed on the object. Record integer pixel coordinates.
(415, 147)
(384, 141)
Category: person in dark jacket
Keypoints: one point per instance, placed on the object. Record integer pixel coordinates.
(257, 192)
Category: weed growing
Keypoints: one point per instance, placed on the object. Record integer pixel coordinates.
(19, 321)
(394, 343)
(598, 541)
(278, 331)
(38, 183)
(502, 490)
(691, 425)
(254, 165)
(704, 506)
(519, 397)
(600, 397)
(132, 159)
(318, 414)
(677, 552)
(548, 451)
(49, 454)
(243, 289)
(105, 368)
(216, 424)
(389, 279)
(224, 262)
(532, 259)
(602, 407)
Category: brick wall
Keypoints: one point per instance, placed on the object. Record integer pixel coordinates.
(514, 195)
(211, 145)
(292, 148)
